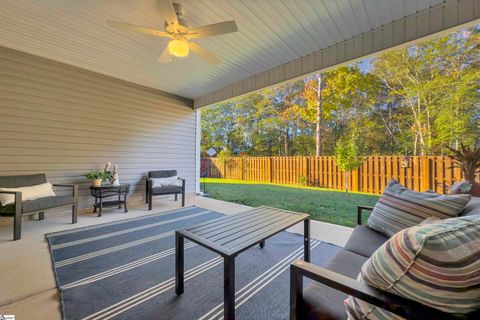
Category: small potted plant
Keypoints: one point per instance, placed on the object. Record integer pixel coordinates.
(96, 176)
(468, 160)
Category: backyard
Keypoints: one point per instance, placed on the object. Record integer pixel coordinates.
(331, 206)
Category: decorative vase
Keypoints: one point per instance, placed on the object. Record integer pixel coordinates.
(96, 183)
(115, 180)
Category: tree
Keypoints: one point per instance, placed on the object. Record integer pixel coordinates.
(419, 98)
(349, 155)
(286, 103)
(434, 90)
(314, 96)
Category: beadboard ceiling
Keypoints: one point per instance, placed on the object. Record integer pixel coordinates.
(271, 33)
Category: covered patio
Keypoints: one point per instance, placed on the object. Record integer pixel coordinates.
(38, 298)
(76, 93)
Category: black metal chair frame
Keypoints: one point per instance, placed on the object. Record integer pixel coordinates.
(403, 307)
(149, 194)
(17, 219)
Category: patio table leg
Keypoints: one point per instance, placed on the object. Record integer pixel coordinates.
(100, 208)
(306, 240)
(179, 266)
(229, 288)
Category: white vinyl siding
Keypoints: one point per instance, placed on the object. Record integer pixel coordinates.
(63, 121)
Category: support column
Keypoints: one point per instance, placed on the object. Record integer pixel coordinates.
(198, 135)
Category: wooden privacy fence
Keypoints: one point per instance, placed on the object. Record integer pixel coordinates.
(424, 173)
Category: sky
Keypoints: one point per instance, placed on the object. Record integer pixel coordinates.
(365, 65)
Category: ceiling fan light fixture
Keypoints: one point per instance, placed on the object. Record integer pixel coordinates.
(178, 30)
(178, 48)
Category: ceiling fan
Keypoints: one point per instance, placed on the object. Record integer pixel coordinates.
(177, 29)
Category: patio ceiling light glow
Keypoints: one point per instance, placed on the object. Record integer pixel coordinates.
(178, 48)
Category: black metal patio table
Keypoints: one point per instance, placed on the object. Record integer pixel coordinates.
(108, 191)
(230, 235)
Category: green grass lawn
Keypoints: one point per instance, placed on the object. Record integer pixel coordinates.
(331, 206)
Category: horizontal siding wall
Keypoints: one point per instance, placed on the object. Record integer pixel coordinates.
(64, 121)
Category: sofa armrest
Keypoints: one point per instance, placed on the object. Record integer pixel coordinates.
(17, 202)
(66, 185)
(17, 194)
(10, 192)
(183, 182)
(74, 188)
(403, 307)
(360, 210)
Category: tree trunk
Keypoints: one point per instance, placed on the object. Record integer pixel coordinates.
(347, 174)
(319, 128)
(389, 130)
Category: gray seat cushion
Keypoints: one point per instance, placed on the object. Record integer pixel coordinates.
(46, 203)
(22, 181)
(365, 241)
(166, 190)
(472, 208)
(325, 303)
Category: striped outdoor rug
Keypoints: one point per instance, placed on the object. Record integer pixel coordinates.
(125, 270)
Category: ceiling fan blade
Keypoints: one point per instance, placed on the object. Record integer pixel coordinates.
(168, 11)
(204, 53)
(213, 29)
(165, 57)
(135, 28)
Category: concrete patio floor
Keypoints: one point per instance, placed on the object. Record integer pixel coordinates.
(27, 284)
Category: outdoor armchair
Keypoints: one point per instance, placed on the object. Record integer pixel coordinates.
(22, 208)
(174, 189)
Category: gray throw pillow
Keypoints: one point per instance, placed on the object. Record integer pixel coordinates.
(472, 208)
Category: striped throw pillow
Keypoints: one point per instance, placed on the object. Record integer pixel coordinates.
(437, 264)
(399, 208)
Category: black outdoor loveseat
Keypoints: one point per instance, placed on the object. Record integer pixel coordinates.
(323, 298)
(25, 208)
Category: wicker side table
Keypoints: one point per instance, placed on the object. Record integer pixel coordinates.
(108, 191)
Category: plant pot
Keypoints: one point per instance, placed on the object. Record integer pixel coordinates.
(96, 183)
(466, 187)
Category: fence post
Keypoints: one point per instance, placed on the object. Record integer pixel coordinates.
(306, 164)
(243, 168)
(270, 169)
(425, 174)
(354, 180)
(225, 169)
